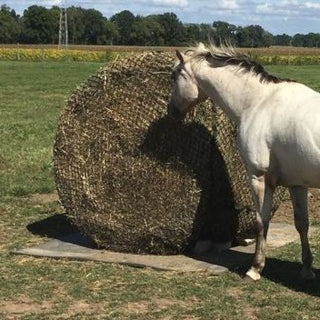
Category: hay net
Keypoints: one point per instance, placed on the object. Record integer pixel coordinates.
(134, 180)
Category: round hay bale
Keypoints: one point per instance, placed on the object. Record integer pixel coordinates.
(134, 180)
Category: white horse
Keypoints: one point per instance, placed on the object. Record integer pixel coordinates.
(278, 125)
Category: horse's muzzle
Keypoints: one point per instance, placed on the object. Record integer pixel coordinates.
(174, 113)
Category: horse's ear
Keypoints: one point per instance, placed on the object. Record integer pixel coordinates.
(201, 46)
(180, 56)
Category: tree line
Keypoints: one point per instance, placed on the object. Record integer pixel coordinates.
(39, 25)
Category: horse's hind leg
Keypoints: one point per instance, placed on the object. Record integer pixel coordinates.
(299, 197)
(262, 193)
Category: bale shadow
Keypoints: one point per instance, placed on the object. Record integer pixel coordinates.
(55, 227)
(60, 227)
(192, 144)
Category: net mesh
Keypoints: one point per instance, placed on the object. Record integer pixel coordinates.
(134, 180)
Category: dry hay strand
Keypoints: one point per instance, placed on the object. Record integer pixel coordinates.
(136, 181)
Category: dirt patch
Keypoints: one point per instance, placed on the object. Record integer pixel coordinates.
(234, 292)
(24, 306)
(162, 303)
(250, 312)
(285, 211)
(157, 304)
(237, 294)
(139, 307)
(83, 308)
(44, 198)
(188, 317)
(3, 237)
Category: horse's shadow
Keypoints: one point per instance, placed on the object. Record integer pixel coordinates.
(287, 273)
(192, 144)
(282, 272)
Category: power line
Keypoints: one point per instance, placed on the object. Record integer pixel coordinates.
(63, 26)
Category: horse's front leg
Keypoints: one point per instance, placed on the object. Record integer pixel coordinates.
(299, 197)
(262, 193)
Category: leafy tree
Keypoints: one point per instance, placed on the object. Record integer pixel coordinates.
(89, 26)
(147, 31)
(76, 26)
(256, 34)
(192, 33)
(95, 28)
(243, 37)
(253, 36)
(267, 39)
(112, 32)
(282, 40)
(298, 40)
(312, 40)
(173, 29)
(9, 25)
(40, 25)
(124, 21)
(224, 32)
(54, 14)
(206, 32)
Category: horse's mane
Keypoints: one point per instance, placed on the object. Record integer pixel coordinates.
(227, 55)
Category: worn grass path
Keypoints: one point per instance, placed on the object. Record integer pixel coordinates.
(32, 96)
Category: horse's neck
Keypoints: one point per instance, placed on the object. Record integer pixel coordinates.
(235, 91)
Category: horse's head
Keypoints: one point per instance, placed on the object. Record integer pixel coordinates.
(185, 91)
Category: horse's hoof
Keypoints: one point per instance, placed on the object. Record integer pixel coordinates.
(252, 275)
(308, 274)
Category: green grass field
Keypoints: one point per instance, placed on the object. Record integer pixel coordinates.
(32, 96)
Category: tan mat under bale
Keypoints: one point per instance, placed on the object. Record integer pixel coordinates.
(75, 246)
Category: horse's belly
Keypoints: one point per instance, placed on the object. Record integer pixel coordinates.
(285, 142)
(303, 178)
(297, 170)
(296, 151)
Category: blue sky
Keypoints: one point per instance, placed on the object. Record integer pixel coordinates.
(276, 16)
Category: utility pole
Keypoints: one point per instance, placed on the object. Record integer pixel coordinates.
(63, 27)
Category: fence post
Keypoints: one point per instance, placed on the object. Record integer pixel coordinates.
(18, 51)
(289, 59)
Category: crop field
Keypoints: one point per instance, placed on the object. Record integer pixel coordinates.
(32, 96)
(272, 55)
(273, 50)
